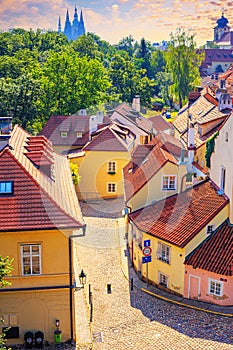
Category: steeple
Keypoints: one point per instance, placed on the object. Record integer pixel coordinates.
(75, 25)
(59, 24)
(81, 29)
(67, 29)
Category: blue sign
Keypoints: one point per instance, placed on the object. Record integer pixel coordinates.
(147, 243)
(146, 259)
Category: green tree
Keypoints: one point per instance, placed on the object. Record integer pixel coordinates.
(183, 62)
(128, 81)
(5, 270)
(127, 44)
(71, 82)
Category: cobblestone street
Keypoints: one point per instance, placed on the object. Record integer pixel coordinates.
(125, 319)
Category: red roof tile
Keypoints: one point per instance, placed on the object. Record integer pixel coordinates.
(159, 123)
(111, 138)
(37, 202)
(215, 254)
(137, 175)
(70, 124)
(177, 219)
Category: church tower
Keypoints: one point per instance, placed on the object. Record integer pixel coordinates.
(221, 28)
(68, 29)
(75, 25)
(74, 30)
(81, 29)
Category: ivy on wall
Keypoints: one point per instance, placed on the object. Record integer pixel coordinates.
(210, 144)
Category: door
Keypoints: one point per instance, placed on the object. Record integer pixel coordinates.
(194, 287)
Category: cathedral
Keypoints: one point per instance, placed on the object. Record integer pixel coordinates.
(75, 29)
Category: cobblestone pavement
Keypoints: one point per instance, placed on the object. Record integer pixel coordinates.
(125, 319)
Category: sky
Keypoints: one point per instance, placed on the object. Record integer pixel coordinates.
(113, 20)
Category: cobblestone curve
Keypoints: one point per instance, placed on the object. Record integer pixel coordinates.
(126, 319)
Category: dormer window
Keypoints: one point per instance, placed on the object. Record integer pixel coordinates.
(63, 134)
(6, 187)
(79, 134)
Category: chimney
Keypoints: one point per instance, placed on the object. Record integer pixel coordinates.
(136, 103)
(93, 125)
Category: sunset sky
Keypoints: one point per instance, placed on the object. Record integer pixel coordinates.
(114, 19)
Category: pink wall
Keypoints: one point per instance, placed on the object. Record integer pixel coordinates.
(196, 286)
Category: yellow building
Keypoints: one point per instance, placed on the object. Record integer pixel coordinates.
(39, 215)
(161, 235)
(157, 170)
(102, 160)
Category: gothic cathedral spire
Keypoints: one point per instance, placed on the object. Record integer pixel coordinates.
(74, 30)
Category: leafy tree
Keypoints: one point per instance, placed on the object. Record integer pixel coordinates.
(164, 81)
(183, 63)
(143, 56)
(127, 44)
(86, 46)
(127, 81)
(75, 174)
(71, 82)
(5, 270)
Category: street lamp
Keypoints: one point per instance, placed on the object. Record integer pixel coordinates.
(82, 279)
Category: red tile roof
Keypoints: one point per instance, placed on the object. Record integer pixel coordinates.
(70, 124)
(37, 202)
(215, 254)
(113, 137)
(159, 123)
(126, 111)
(218, 55)
(137, 175)
(177, 219)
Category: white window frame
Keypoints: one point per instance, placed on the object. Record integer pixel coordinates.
(30, 255)
(216, 285)
(210, 229)
(110, 186)
(164, 253)
(64, 134)
(169, 188)
(165, 277)
(6, 187)
(111, 167)
(79, 134)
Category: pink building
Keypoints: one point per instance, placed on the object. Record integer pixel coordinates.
(209, 269)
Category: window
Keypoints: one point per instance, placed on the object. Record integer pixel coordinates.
(31, 259)
(226, 137)
(169, 182)
(63, 134)
(111, 187)
(163, 280)
(210, 229)
(79, 134)
(223, 177)
(6, 187)
(111, 167)
(215, 287)
(163, 252)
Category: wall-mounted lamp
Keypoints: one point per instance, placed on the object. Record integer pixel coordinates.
(82, 279)
(57, 323)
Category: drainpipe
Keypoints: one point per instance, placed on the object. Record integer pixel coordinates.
(70, 278)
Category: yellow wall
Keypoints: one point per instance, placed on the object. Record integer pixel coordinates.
(94, 175)
(152, 190)
(38, 309)
(54, 244)
(176, 269)
(201, 236)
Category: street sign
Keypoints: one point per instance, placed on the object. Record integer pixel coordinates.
(147, 243)
(146, 259)
(146, 251)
